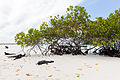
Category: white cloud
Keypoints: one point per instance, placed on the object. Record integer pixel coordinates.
(20, 15)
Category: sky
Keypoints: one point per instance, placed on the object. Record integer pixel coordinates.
(20, 15)
(100, 8)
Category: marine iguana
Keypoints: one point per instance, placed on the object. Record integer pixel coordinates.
(9, 53)
(17, 56)
(6, 47)
(44, 62)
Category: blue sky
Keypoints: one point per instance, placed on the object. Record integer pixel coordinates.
(101, 8)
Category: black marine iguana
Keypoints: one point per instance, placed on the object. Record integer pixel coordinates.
(9, 53)
(17, 56)
(44, 62)
(6, 47)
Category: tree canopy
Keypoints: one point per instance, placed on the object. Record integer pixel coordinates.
(66, 34)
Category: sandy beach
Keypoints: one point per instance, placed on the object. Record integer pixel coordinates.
(59, 39)
(66, 67)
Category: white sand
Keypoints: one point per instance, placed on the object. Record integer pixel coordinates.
(65, 67)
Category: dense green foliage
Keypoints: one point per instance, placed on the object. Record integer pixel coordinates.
(74, 29)
(105, 31)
